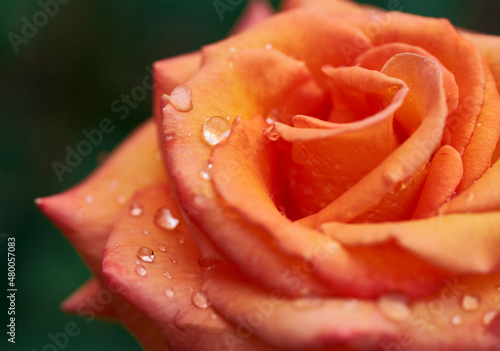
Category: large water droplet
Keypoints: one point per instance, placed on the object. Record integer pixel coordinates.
(470, 303)
(141, 270)
(146, 254)
(394, 306)
(164, 219)
(169, 292)
(457, 320)
(271, 133)
(135, 209)
(200, 300)
(490, 316)
(216, 129)
(181, 99)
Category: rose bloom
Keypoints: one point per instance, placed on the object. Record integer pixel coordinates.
(326, 179)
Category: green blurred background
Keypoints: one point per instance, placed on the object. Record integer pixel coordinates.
(62, 81)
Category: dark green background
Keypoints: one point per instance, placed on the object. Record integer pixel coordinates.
(63, 81)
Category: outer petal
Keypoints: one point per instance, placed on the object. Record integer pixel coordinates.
(257, 11)
(340, 6)
(185, 326)
(86, 212)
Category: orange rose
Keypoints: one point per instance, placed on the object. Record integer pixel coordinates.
(333, 184)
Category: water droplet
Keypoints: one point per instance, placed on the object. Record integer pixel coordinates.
(182, 239)
(145, 232)
(268, 46)
(146, 254)
(470, 303)
(162, 247)
(232, 49)
(270, 121)
(137, 262)
(117, 244)
(141, 270)
(167, 275)
(457, 320)
(173, 260)
(207, 263)
(169, 292)
(204, 174)
(181, 99)
(200, 300)
(89, 199)
(490, 316)
(210, 166)
(135, 209)
(121, 199)
(216, 129)
(164, 219)
(113, 185)
(213, 315)
(200, 201)
(271, 133)
(479, 124)
(394, 306)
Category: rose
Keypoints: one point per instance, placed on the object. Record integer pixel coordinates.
(374, 222)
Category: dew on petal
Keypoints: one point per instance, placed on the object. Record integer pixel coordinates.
(394, 306)
(89, 199)
(232, 49)
(141, 270)
(169, 292)
(146, 254)
(173, 260)
(145, 232)
(135, 209)
(271, 133)
(121, 199)
(457, 320)
(213, 315)
(268, 46)
(216, 129)
(200, 300)
(162, 247)
(182, 239)
(181, 99)
(210, 166)
(470, 303)
(490, 316)
(204, 174)
(164, 219)
(167, 275)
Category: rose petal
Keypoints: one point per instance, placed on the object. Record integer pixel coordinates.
(479, 152)
(184, 325)
(445, 174)
(489, 46)
(340, 6)
(483, 196)
(425, 81)
(472, 242)
(87, 299)
(280, 322)
(86, 212)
